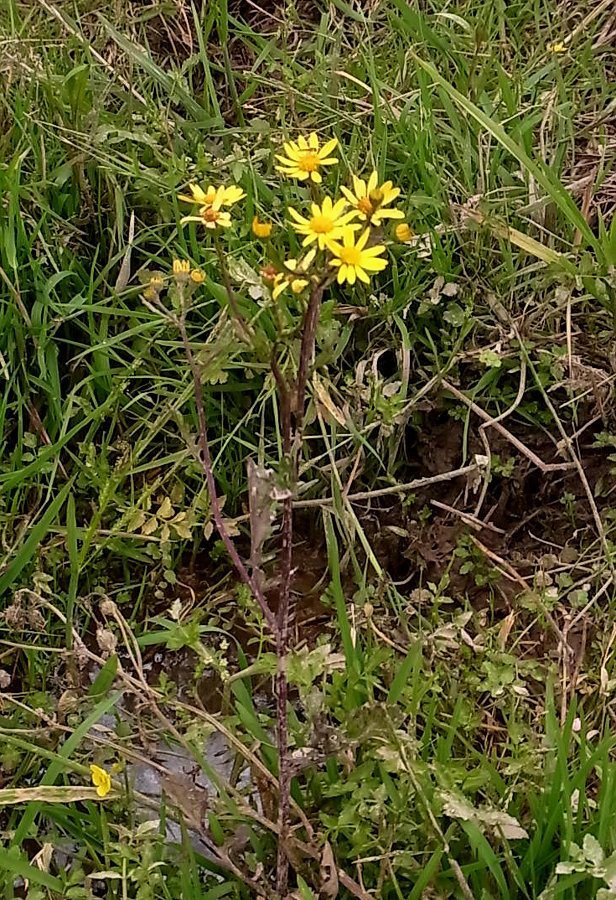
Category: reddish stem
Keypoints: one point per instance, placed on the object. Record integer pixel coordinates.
(205, 459)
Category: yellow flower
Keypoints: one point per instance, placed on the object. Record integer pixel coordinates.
(295, 275)
(212, 216)
(370, 198)
(326, 223)
(404, 232)
(557, 47)
(226, 196)
(305, 156)
(354, 260)
(101, 780)
(197, 276)
(261, 229)
(181, 270)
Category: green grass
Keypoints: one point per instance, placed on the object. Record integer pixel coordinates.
(434, 724)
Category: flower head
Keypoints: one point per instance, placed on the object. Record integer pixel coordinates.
(305, 156)
(557, 47)
(294, 275)
(354, 260)
(404, 232)
(101, 780)
(371, 198)
(197, 276)
(261, 229)
(181, 270)
(326, 223)
(212, 216)
(225, 196)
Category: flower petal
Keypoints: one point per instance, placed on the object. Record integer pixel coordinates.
(359, 186)
(294, 213)
(363, 239)
(327, 148)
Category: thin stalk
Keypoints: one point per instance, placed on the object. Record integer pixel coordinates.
(292, 417)
(205, 459)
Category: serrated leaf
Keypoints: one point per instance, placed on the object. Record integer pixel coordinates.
(136, 520)
(150, 526)
(454, 315)
(165, 510)
(593, 850)
(182, 529)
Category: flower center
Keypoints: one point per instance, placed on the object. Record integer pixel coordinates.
(321, 224)
(309, 162)
(365, 206)
(210, 215)
(351, 256)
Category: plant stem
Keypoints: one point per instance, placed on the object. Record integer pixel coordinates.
(205, 459)
(306, 352)
(292, 416)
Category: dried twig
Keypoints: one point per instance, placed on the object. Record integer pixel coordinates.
(526, 451)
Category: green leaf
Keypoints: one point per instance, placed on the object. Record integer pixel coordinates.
(36, 535)
(105, 677)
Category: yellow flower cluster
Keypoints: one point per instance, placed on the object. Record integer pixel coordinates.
(183, 273)
(340, 228)
(333, 225)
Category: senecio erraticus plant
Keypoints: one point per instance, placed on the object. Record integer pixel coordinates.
(343, 242)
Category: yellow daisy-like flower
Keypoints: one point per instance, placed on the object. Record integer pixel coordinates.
(226, 196)
(305, 156)
(371, 198)
(326, 223)
(294, 275)
(212, 216)
(197, 276)
(101, 780)
(261, 229)
(354, 260)
(557, 47)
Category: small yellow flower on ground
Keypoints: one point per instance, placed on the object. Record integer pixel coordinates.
(101, 780)
(226, 196)
(197, 276)
(305, 156)
(354, 260)
(370, 199)
(404, 232)
(326, 223)
(261, 229)
(557, 47)
(294, 275)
